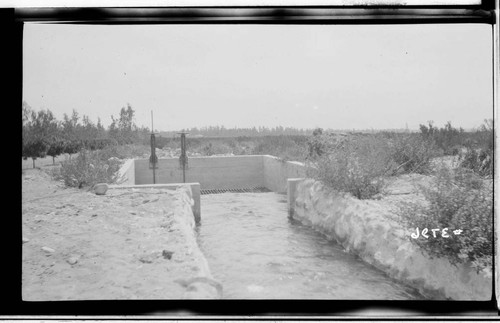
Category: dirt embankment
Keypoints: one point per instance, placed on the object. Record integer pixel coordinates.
(126, 244)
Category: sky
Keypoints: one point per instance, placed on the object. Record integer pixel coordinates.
(303, 76)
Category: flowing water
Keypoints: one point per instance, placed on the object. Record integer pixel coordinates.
(256, 251)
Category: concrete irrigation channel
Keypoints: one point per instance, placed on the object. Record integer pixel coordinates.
(266, 231)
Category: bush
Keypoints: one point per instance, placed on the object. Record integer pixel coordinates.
(447, 138)
(355, 165)
(457, 199)
(284, 147)
(95, 144)
(480, 161)
(125, 151)
(216, 148)
(72, 147)
(412, 153)
(89, 168)
(315, 144)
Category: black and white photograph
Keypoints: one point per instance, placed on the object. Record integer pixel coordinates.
(272, 161)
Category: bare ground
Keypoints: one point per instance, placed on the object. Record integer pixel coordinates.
(127, 244)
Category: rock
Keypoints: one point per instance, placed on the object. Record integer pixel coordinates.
(48, 250)
(72, 260)
(100, 189)
(167, 254)
(147, 259)
(25, 240)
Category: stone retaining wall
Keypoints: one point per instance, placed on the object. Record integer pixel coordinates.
(363, 227)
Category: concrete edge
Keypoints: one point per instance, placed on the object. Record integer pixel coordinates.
(285, 161)
(124, 170)
(187, 208)
(202, 285)
(291, 194)
(210, 157)
(419, 280)
(195, 193)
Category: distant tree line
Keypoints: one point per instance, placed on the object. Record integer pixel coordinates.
(221, 131)
(43, 135)
(450, 139)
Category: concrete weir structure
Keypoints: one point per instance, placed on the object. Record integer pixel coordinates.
(362, 227)
(205, 173)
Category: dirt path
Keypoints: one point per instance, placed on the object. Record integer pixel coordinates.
(127, 244)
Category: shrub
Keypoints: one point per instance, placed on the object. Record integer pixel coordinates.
(457, 199)
(412, 153)
(446, 138)
(216, 148)
(95, 144)
(125, 151)
(284, 147)
(354, 165)
(480, 161)
(315, 144)
(72, 147)
(89, 168)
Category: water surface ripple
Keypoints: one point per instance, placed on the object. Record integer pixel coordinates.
(256, 251)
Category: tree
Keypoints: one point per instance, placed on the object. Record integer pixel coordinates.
(35, 148)
(72, 147)
(101, 132)
(26, 113)
(113, 131)
(126, 124)
(123, 129)
(56, 148)
(38, 129)
(43, 124)
(26, 124)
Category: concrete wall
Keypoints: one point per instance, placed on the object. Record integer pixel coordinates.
(193, 190)
(366, 228)
(211, 172)
(277, 172)
(126, 174)
(198, 281)
(226, 172)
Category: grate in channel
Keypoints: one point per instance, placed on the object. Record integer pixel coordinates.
(235, 190)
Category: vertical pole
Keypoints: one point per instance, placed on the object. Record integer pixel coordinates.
(153, 149)
(153, 156)
(183, 154)
(183, 158)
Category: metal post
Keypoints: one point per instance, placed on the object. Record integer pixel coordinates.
(183, 158)
(153, 159)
